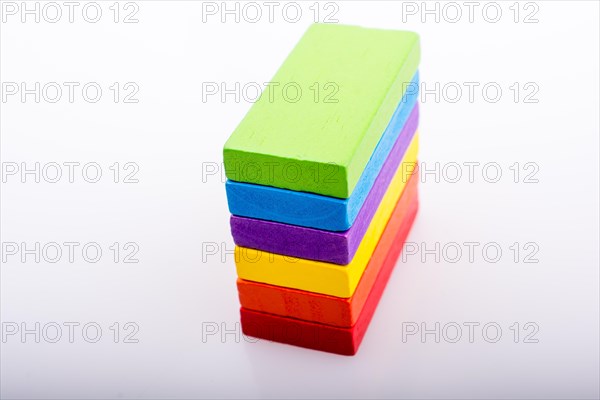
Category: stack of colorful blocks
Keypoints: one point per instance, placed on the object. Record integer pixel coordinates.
(322, 186)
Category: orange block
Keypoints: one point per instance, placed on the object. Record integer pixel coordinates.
(325, 309)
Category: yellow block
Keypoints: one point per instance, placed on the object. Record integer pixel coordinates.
(321, 277)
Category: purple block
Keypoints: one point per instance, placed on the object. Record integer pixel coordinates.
(316, 244)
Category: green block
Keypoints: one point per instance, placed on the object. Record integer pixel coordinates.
(318, 121)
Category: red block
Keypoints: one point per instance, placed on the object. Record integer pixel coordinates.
(330, 310)
(334, 339)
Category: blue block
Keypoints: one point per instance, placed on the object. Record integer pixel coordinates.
(313, 210)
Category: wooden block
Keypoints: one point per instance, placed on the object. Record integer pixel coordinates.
(333, 339)
(318, 276)
(318, 211)
(336, 311)
(317, 244)
(294, 142)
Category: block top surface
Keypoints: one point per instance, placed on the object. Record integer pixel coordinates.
(324, 110)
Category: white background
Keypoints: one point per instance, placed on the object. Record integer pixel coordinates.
(175, 293)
